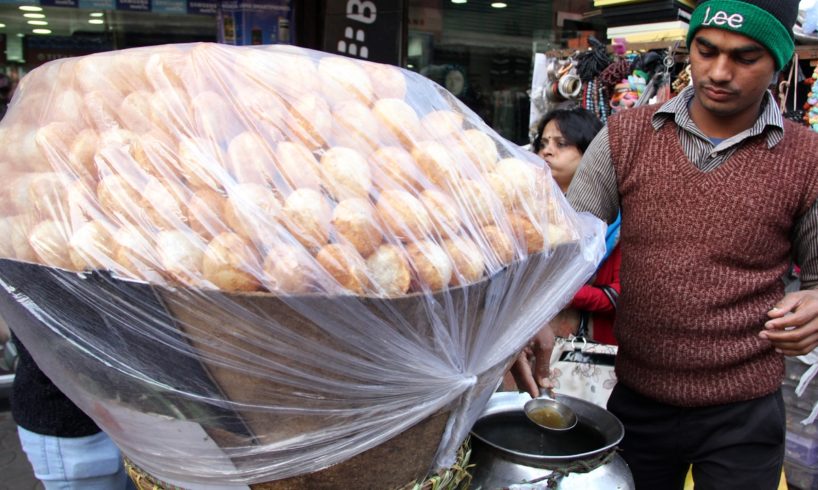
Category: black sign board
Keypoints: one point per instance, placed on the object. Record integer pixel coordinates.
(372, 30)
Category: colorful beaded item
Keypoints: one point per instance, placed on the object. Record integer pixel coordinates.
(811, 106)
(594, 99)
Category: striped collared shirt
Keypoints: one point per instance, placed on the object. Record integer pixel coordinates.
(594, 186)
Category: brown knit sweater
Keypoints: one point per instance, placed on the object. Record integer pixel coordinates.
(702, 260)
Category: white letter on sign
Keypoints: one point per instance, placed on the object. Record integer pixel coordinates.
(361, 11)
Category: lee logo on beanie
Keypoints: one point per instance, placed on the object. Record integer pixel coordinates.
(721, 18)
(768, 22)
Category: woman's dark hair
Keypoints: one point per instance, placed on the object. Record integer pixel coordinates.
(577, 125)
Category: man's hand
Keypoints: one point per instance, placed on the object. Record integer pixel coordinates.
(532, 378)
(793, 324)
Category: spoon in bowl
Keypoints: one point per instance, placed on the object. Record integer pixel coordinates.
(549, 414)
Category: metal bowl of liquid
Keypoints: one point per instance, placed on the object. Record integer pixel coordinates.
(508, 451)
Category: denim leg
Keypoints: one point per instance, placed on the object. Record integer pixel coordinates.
(75, 463)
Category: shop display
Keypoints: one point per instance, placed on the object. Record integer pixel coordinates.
(257, 264)
(811, 105)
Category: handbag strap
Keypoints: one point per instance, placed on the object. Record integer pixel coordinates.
(611, 293)
(584, 320)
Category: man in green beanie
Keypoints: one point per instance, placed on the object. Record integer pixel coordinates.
(718, 194)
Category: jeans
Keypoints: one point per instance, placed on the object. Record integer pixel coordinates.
(75, 463)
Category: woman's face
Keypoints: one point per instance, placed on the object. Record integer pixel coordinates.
(562, 157)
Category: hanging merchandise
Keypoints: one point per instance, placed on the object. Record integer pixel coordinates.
(794, 75)
(562, 82)
(811, 106)
(682, 80)
(590, 64)
(605, 81)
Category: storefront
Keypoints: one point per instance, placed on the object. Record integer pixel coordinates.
(33, 32)
(481, 51)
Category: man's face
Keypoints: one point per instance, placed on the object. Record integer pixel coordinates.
(730, 72)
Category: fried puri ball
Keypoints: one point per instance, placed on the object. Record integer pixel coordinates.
(344, 264)
(180, 255)
(206, 213)
(503, 189)
(354, 222)
(500, 243)
(528, 234)
(163, 202)
(250, 159)
(431, 265)
(230, 263)
(480, 203)
(522, 177)
(388, 81)
(558, 234)
(67, 106)
(436, 163)
(54, 141)
(215, 118)
(394, 168)
(297, 166)
(345, 173)
(289, 269)
(252, 211)
(18, 192)
(200, 161)
(389, 271)
(7, 230)
(21, 226)
(467, 258)
(155, 154)
(307, 216)
(135, 111)
(443, 211)
(479, 147)
(81, 154)
(441, 124)
(310, 121)
(136, 254)
(49, 240)
(354, 126)
(91, 246)
(398, 122)
(117, 196)
(343, 79)
(47, 192)
(403, 215)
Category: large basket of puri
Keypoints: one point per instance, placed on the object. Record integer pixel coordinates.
(270, 267)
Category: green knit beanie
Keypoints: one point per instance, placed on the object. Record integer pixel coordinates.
(764, 25)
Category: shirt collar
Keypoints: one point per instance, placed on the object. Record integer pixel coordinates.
(676, 108)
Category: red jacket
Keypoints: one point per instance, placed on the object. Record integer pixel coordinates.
(593, 299)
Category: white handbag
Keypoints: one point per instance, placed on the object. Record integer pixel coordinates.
(583, 369)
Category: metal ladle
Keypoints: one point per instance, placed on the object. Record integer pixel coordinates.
(549, 414)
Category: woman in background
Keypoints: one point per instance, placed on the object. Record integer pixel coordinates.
(563, 135)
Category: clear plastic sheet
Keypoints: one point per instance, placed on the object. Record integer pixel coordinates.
(256, 263)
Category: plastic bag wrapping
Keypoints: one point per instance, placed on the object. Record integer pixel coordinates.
(810, 359)
(252, 264)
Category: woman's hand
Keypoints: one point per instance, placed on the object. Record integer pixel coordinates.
(530, 370)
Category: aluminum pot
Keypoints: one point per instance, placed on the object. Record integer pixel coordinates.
(510, 452)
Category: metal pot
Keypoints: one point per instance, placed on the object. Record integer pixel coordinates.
(510, 452)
